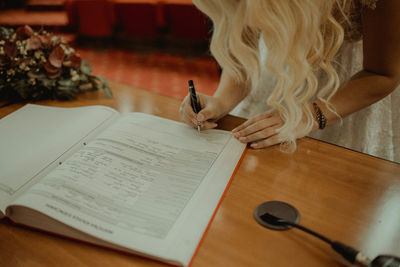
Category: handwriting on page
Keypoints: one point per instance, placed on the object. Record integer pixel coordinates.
(134, 176)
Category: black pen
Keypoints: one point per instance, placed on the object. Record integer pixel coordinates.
(193, 101)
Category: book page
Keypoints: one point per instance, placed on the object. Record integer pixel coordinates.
(36, 138)
(133, 183)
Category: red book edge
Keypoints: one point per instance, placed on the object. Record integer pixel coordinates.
(216, 208)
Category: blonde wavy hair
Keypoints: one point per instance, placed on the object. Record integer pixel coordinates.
(302, 38)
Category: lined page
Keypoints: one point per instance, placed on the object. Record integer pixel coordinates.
(132, 182)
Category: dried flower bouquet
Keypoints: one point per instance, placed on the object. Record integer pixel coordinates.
(37, 65)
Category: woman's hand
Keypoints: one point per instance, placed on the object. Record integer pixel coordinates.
(212, 109)
(228, 94)
(261, 130)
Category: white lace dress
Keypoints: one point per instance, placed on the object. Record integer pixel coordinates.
(375, 130)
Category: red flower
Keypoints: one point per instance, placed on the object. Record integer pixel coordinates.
(34, 43)
(73, 60)
(10, 49)
(52, 72)
(24, 32)
(56, 56)
(46, 40)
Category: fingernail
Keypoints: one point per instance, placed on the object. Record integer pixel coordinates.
(254, 145)
(236, 135)
(194, 121)
(242, 139)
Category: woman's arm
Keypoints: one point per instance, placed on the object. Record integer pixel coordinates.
(381, 66)
(379, 77)
(229, 92)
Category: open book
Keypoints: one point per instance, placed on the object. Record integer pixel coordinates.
(136, 182)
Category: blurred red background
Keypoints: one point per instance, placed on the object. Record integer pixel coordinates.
(153, 44)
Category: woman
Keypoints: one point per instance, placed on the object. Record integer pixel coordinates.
(294, 67)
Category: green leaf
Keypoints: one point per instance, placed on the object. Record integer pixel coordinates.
(101, 83)
(32, 74)
(5, 32)
(101, 79)
(86, 68)
(65, 88)
(22, 89)
(107, 90)
(95, 82)
(48, 82)
(67, 83)
(83, 78)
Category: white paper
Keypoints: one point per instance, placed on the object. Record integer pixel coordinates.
(35, 138)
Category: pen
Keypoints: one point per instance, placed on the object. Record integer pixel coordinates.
(193, 101)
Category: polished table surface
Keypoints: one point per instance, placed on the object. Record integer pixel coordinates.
(345, 195)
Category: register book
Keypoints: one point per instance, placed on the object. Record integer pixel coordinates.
(134, 182)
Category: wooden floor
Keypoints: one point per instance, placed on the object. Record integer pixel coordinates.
(154, 70)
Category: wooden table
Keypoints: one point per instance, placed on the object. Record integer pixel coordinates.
(347, 196)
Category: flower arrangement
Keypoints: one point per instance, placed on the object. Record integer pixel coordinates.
(37, 65)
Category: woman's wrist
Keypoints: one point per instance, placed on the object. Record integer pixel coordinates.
(319, 116)
(224, 104)
(315, 121)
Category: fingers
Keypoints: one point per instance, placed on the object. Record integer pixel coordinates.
(185, 111)
(273, 140)
(258, 135)
(260, 131)
(204, 125)
(255, 119)
(204, 116)
(208, 125)
(249, 122)
(207, 109)
(256, 128)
